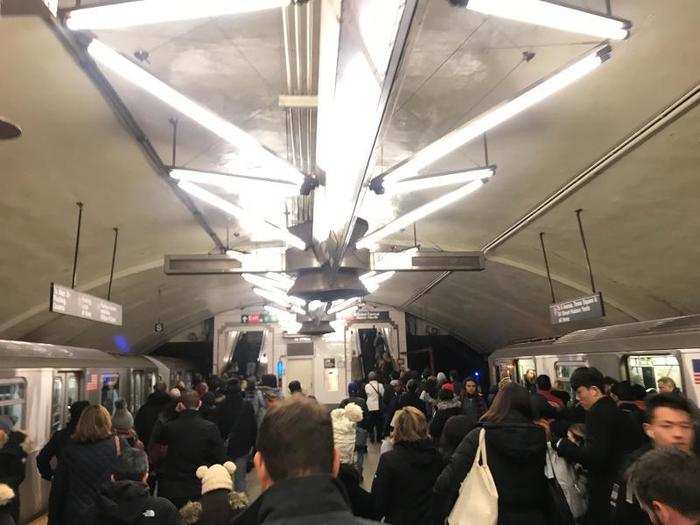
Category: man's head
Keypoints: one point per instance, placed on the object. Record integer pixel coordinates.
(670, 422)
(608, 383)
(294, 387)
(372, 376)
(666, 385)
(622, 391)
(666, 482)
(189, 400)
(295, 439)
(544, 383)
(471, 387)
(160, 386)
(587, 382)
(132, 465)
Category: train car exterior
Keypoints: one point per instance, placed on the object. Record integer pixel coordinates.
(640, 352)
(39, 382)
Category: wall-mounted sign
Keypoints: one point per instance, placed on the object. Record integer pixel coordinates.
(329, 362)
(258, 318)
(372, 315)
(67, 301)
(588, 307)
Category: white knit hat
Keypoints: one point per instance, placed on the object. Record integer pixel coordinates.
(216, 476)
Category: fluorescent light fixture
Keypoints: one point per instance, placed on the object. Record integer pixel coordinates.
(286, 281)
(367, 275)
(344, 305)
(241, 214)
(495, 116)
(143, 12)
(280, 313)
(281, 299)
(380, 277)
(264, 282)
(233, 183)
(247, 146)
(549, 14)
(291, 327)
(438, 181)
(315, 305)
(239, 256)
(419, 213)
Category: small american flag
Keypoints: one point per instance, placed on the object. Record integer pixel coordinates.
(696, 371)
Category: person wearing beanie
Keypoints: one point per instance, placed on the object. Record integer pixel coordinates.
(123, 424)
(219, 503)
(447, 407)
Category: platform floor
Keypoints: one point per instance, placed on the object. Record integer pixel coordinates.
(371, 462)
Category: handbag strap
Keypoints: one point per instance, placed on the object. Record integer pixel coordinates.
(118, 445)
(481, 450)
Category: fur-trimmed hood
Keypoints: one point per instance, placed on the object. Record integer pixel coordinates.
(17, 440)
(6, 494)
(192, 511)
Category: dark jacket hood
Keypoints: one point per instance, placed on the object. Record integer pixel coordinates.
(419, 454)
(516, 438)
(123, 501)
(158, 398)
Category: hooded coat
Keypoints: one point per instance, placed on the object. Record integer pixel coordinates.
(445, 410)
(402, 486)
(130, 503)
(148, 414)
(13, 458)
(516, 450)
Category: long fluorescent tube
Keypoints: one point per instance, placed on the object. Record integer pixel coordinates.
(495, 116)
(344, 305)
(127, 14)
(548, 14)
(438, 181)
(280, 313)
(246, 145)
(286, 281)
(419, 213)
(379, 278)
(241, 214)
(232, 183)
(264, 282)
(281, 299)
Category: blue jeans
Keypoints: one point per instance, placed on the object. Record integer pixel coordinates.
(239, 478)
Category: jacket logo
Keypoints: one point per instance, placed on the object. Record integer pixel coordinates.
(149, 514)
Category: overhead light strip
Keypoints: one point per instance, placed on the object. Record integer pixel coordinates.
(247, 146)
(144, 12)
(495, 116)
(419, 213)
(344, 305)
(554, 15)
(295, 303)
(264, 282)
(228, 182)
(241, 213)
(438, 181)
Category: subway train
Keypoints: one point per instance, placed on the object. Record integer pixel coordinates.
(640, 352)
(38, 383)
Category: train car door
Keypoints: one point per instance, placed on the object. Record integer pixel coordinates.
(65, 391)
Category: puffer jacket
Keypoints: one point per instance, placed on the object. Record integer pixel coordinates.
(82, 472)
(13, 458)
(130, 503)
(516, 450)
(445, 410)
(345, 421)
(216, 507)
(402, 484)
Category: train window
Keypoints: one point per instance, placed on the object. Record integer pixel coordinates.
(523, 366)
(504, 369)
(137, 391)
(13, 399)
(564, 371)
(72, 388)
(56, 404)
(150, 383)
(646, 370)
(110, 391)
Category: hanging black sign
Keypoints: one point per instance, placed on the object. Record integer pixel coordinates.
(67, 301)
(372, 315)
(588, 307)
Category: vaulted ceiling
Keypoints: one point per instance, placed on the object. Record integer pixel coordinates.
(639, 213)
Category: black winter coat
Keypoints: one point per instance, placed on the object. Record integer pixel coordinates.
(610, 435)
(444, 412)
(192, 441)
(53, 449)
(402, 486)
(13, 458)
(216, 507)
(243, 431)
(515, 450)
(411, 399)
(83, 470)
(146, 417)
(456, 429)
(130, 503)
(309, 500)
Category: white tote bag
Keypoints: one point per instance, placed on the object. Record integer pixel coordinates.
(477, 503)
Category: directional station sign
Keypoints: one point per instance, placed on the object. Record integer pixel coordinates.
(67, 301)
(588, 307)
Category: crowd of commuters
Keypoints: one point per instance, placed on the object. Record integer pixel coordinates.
(604, 455)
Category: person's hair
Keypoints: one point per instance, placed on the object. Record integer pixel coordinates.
(471, 379)
(296, 439)
(623, 391)
(76, 409)
(668, 401)
(666, 381)
(269, 380)
(431, 386)
(512, 397)
(454, 375)
(190, 399)
(371, 376)
(160, 386)
(131, 465)
(294, 386)
(640, 393)
(587, 377)
(95, 424)
(559, 385)
(607, 380)
(412, 386)
(409, 426)
(543, 382)
(579, 429)
(120, 404)
(445, 395)
(669, 476)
